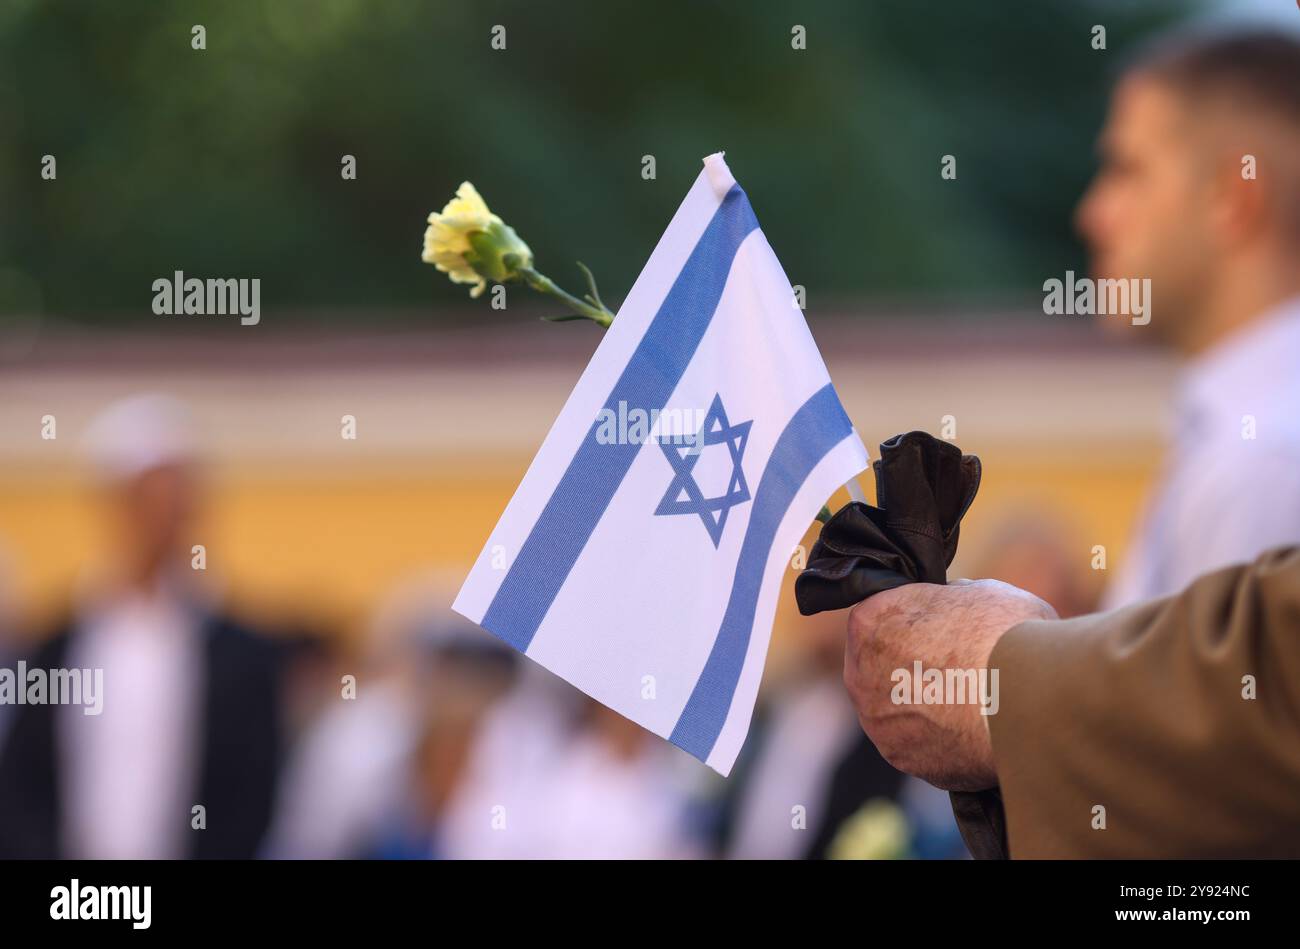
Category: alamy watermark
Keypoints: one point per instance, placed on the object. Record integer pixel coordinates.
(24, 686)
(133, 904)
(624, 426)
(1085, 296)
(921, 686)
(180, 295)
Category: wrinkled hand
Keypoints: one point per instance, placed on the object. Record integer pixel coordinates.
(953, 627)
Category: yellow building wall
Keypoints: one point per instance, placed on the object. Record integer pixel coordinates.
(326, 545)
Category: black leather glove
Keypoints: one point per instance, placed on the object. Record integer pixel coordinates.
(924, 487)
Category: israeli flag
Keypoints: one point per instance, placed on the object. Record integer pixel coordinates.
(642, 556)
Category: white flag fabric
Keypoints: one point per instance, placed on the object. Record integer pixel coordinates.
(643, 553)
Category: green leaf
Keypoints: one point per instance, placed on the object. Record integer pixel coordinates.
(594, 296)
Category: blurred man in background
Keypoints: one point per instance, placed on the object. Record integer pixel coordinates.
(1199, 190)
(183, 756)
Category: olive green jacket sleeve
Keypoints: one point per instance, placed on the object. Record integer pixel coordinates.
(1168, 729)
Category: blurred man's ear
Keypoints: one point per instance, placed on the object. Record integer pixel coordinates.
(1240, 213)
(1257, 192)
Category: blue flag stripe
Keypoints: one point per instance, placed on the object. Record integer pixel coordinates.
(596, 471)
(818, 426)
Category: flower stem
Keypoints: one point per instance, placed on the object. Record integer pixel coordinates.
(544, 284)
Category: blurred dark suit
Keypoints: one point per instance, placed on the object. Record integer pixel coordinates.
(236, 767)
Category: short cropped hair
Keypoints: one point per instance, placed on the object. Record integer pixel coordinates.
(1257, 69)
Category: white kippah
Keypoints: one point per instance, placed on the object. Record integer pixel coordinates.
(139, 433)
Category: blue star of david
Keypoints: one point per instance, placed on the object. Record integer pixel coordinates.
(684, 495)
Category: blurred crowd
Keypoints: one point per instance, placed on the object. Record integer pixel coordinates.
(426, 737)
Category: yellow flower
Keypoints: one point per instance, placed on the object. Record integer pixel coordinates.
(876, 831)
(470, 244)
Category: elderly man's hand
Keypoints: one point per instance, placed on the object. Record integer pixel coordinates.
(951, 629)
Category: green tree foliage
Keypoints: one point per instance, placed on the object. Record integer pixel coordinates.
(226, 161)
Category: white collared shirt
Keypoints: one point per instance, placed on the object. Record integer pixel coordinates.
(129, 772)
(1231, 483)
